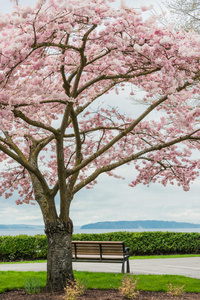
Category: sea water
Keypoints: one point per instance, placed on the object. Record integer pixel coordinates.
(77, 229)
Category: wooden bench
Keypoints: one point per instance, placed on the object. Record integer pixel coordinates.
(88, 251)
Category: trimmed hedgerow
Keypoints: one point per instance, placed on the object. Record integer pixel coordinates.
(25, 247)
(150, 243)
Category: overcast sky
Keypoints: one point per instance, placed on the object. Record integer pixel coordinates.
(112, 199)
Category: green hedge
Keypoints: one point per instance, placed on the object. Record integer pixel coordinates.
(25, 247)
(150, 243)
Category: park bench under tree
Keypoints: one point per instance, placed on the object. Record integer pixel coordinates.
(98, 251)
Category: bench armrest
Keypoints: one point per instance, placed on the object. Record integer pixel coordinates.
(127, 251)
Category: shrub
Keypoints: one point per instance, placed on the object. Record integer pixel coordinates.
(23, 247)
(150, 243)
(128, 287)
(175, 290)
(32, 286)
(74, 290)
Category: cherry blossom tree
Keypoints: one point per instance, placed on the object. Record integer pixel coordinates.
(57, 59)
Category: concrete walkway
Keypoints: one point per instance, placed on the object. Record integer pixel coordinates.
(189, 266)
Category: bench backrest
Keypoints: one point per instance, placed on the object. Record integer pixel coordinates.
(98, 248)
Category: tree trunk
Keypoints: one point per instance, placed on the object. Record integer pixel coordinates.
(59, 255)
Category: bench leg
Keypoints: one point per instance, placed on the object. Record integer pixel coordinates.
(127, 267)
(123, 267)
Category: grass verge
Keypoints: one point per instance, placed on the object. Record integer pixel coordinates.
(24, 262)
(131, 257)
(10, 280)
(164, 256)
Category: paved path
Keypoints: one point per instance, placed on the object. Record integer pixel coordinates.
(189, 266)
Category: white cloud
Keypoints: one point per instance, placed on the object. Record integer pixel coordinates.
(113, 199)
(9, 210)
(10, 213)
(182, 213)
(28, 218)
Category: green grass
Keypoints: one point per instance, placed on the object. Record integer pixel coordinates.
(23, 262)
(164, 256)
(10, 280)
(131, 257)
(145, 282)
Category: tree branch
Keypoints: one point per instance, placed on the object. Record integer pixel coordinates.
(50, 44)
(21, 115)
(130, 158)
(80, 109)
(114, 77)
(79, 156)
(96, 129)
(118, 137)
(22, 161)
(82, 62)
(9, 142)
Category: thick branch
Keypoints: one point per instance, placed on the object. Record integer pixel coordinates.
(79, 156)
(20, 160)
(65, 120)
(82, 62)
(41, 144)
(66, 84)
(50, 44)
(64, 199)
(77, 136)
(9, 142)
(19, 114)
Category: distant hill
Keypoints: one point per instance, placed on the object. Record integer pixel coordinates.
(139, 225)
(20, 226)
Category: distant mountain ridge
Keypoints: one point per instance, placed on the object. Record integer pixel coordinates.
(20, 226)
(149, 224)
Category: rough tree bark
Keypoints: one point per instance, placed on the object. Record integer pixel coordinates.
(58, 230)
(59, 255)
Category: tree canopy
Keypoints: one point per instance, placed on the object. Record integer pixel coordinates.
(58, 58)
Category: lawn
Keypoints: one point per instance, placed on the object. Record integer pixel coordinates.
(131, 257)
(164, 256)
(10, 280)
